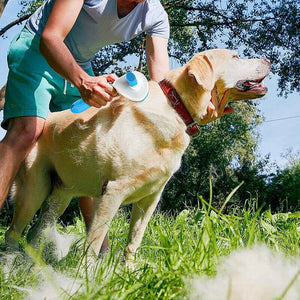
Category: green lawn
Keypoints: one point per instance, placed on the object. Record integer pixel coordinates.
(175, 249)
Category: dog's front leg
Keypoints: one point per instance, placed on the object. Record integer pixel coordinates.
(141, 214)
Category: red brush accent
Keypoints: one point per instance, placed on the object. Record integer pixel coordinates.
(175, 100)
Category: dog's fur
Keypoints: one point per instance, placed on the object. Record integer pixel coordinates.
(124, 152)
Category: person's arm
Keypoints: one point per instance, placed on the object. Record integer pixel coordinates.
(157, 57)
(94, 90)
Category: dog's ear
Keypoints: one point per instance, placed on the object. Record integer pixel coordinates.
(201, 69)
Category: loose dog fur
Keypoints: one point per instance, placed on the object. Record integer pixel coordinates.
(124, 152)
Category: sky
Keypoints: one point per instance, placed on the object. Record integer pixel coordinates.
(279, 133)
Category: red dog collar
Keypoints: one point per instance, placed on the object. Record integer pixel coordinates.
(175, 100)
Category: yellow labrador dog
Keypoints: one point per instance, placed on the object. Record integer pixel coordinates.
(126, 152)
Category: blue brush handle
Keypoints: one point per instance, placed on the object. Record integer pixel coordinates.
(79, 106)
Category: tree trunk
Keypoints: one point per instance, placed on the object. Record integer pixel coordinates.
(2, 91)
(2, 94)
(2, 6)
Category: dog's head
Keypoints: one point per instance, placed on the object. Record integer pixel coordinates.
(224, 70)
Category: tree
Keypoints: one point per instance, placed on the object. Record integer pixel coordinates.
(257, 28)
(2, 93)
(284, 189)
(226, 150)
(2, 6)
(267, 28)
(28, 7)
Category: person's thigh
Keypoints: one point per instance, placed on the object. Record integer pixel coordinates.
(31, 81)
(23, 132)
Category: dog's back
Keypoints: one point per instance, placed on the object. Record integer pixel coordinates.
(116, 141)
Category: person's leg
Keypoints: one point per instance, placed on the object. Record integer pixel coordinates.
(21, 136)
(87, 207)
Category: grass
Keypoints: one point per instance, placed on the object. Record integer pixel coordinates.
(174, 249)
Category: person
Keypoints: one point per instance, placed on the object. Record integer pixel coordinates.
(50, 68)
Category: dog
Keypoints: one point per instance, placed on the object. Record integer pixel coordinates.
(126, 152)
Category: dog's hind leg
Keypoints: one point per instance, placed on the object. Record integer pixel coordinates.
(32, 187)
(141, 214)
(107, 206)
(51, 210)
(118, 192)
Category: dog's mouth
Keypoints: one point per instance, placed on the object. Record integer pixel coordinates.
(252, 86)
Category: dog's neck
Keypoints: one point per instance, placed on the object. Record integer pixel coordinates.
(192, 127)
(194, 97)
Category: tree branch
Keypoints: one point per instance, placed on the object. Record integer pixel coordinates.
(233, 22)
(18, 21)
(215, 12)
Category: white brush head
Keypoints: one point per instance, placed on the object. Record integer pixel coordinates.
(132, 85)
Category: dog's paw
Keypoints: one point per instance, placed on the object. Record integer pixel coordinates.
(11, 241)
(130, 265)
(130, 260)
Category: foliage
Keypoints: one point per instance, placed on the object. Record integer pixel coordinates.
(222, 153)
(29, 6)
(257, 28)
(72, 211)
(6, 213)
(284, 190)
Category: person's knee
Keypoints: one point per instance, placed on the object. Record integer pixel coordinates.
(24, 132)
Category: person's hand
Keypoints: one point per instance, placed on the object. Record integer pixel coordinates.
(217, 108)
(97, 91)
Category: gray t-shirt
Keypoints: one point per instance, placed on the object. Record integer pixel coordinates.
(98, 25)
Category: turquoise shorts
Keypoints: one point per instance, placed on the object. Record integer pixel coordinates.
(33, 87)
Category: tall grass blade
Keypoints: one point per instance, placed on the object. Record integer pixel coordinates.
(230, 196)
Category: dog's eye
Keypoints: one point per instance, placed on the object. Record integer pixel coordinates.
(235, 56)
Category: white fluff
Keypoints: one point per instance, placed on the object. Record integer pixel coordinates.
(61, 241)
(250, 274)
(54, 286)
